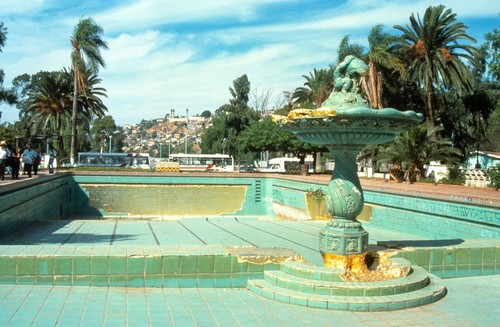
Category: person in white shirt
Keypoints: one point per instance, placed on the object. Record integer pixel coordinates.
(28, 156)
(52, 156)
(4, 156)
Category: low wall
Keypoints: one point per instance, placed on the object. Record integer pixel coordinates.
(22, 204)
(431, 218)
(167, 196)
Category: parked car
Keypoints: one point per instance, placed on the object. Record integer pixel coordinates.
(247, 169)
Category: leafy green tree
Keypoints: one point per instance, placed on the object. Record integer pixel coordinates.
(87, 44)
(437, 55)
(230, 120)
(265, 135)
(493, 45)
(100, 132)
(493, 132)
(261, 136)
(6, 96)
(3, 35)
(8, 132)
(212, 140)
(206, 114)
(494, 175)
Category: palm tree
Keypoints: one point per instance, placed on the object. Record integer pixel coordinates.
(382, 61)
(436, 54)
(51, 104)
(412, 150)
(91, 105)
(90, 101)
(86, 56)
(316, 89)
(346, 48)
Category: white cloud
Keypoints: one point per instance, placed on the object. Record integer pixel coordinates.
(150, 13)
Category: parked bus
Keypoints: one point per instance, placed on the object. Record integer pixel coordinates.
(203, 162)
(281, 165)
(98, 159)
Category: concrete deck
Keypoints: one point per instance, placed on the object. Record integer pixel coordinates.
(471, 301)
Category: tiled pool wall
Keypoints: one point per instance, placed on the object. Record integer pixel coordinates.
(431, 218)
(472, 258)
(472, 248)
(163, 196)
(30, 202)
(131, 267)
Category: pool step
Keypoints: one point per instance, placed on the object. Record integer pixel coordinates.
(320, 289)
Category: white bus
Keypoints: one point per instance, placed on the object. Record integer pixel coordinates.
(98, 159)
(279, 165)
(203, 162)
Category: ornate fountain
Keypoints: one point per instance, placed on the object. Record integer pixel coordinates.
(345, 125)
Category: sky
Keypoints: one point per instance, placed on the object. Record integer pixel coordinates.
(185, 54)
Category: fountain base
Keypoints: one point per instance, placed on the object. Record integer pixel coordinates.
(343, 237)
(404, 286)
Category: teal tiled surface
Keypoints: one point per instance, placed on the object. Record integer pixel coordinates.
(431, 218)
(30, 305)
(99, 254)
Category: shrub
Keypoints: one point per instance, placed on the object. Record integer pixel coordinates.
(455, 176)
(494, 174)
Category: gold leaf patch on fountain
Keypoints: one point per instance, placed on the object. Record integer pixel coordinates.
(321, 112)
(366, 267)
(304, 113)
(324, 112)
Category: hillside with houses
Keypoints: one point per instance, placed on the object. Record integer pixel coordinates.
(169, 135)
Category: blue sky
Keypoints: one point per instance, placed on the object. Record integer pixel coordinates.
(185, 54)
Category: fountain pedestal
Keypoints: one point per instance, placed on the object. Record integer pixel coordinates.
(343, 241)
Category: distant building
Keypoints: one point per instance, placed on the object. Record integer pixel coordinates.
(485, 159)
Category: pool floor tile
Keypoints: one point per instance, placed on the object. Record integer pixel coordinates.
(87, 300)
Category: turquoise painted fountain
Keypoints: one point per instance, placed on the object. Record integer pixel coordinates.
(354, 278)
(345, 125)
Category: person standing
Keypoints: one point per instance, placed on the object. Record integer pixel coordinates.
(52, 156)
(4, 156)
(16, 162)
(28, 157)
(36, 160)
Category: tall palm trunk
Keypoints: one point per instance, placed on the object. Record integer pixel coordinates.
(60, 141)
(73, 152)
(373, 88)
(366, 90)
(429, 110)
(379, 91)
(373, 85)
